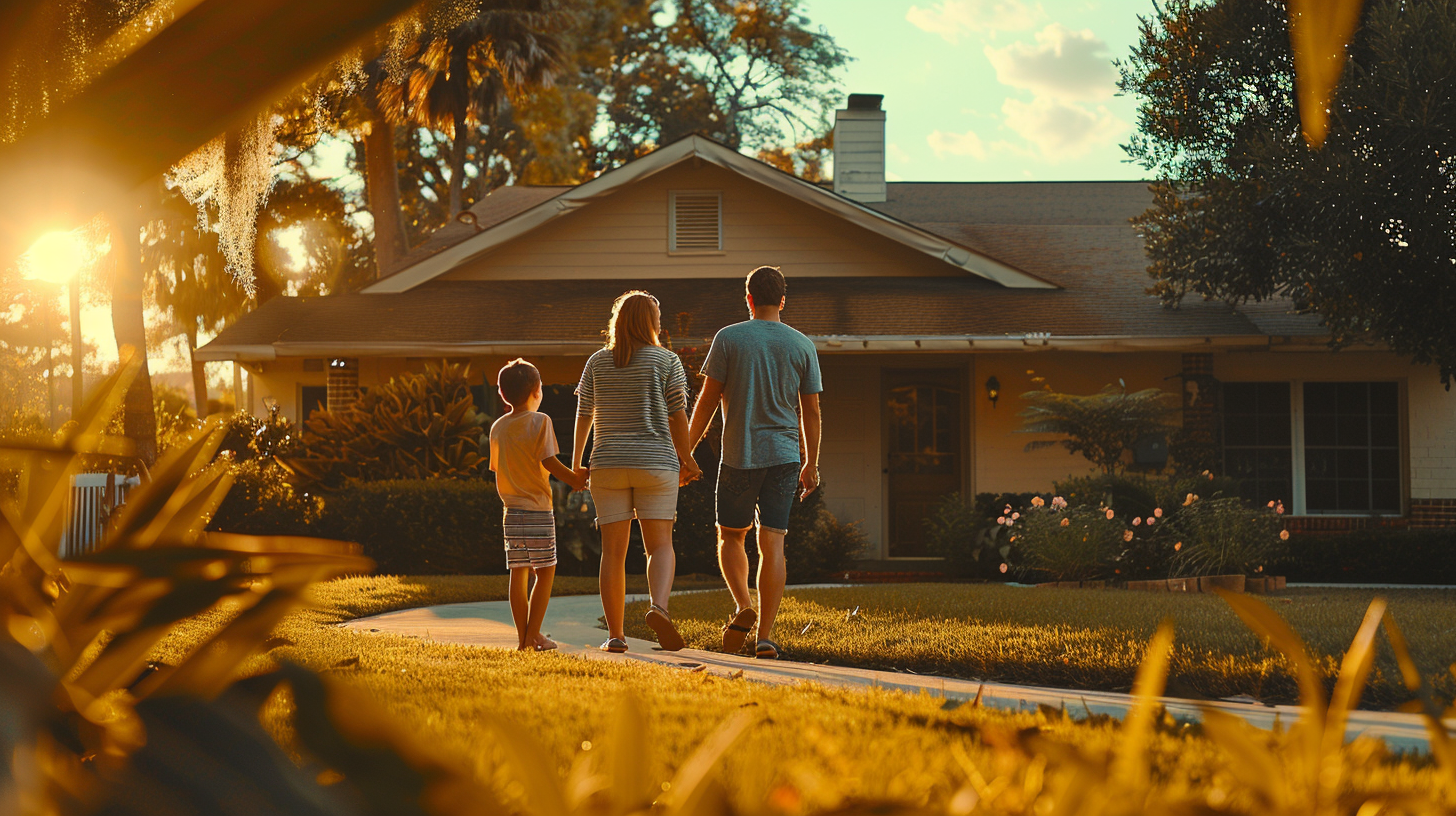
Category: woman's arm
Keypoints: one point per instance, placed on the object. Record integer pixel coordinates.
(677, 425)
(578, 439)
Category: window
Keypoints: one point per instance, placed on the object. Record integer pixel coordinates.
(1319, 447)
(695, 221)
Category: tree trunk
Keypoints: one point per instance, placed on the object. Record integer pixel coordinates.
(381, 182)
(139, 418)
(458, 143)
(199, 375)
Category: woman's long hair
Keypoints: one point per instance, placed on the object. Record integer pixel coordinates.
(636, 321)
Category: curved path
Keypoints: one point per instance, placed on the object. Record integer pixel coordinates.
(572, 622)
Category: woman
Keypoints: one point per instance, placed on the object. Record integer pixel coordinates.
(633, 400)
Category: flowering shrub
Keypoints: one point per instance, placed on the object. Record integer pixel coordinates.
(1068, 543)
(1219, 536)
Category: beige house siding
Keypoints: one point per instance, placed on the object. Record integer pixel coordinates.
(625, 236)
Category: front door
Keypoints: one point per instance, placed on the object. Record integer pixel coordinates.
(923, 411)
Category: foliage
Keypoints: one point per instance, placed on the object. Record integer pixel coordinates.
(1086, 638)
(819, 546)
(1073, 543)
(1134, 494)
(1102, 427)
(1382, 555)
(1222, 537)
(966, 534)
(421, 527)
(263, 502)
(416, 426)
(1358, 231)
(247, 437)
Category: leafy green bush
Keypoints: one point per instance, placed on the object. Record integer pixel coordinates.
(417, 426)
(1382, 555)
(819, 546)
(420, 526)
(263, 502)
(966, 535)
(1222, 536)
(1068, 543)
(1138, 495)
(250, 437)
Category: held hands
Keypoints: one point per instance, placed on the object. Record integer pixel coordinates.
(579, 480)
(689, 472)
(808, 480)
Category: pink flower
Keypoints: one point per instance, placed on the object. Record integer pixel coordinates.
(1007, 510)
(1178, 546)
(1015, 515)
(1157, 511)
(1066, 522)
(1127, 535)
(1151, 520)
(1191, 499)
(1003, 568)
(1279, 508)
(1036, 501)
(1109, 512)
(1136, 521)
(1059, 503)
(1283, 535)
(1001, 520)
(1271, 504)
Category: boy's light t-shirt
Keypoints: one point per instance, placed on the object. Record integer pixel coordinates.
(764, 366)
(518, 445)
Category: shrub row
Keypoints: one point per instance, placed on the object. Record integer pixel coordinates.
(1376, 556)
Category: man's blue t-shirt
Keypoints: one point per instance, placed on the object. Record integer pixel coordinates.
(764, 366)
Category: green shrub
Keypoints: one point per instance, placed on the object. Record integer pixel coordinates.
(417, 426)
(1067, 543)
(1222, 536)
(250, 437)
(966, 535)
(420, 526)
(1382, 555)
(1137, 495)
(263, 502)
(819, 546)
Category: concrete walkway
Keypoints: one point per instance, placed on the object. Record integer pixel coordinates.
(572, 622)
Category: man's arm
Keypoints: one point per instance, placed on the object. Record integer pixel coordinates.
(707, 405)
(809, 432)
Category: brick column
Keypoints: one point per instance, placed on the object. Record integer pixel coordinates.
(1200, 434)
(1431, 514)
(343, 383)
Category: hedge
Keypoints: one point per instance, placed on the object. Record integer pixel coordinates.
(420, 527)
(1376, 556)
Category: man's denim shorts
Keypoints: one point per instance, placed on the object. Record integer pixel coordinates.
(768, 491)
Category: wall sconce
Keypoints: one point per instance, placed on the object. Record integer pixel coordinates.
(993, 390)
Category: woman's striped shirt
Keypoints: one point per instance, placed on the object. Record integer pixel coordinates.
(629, 407)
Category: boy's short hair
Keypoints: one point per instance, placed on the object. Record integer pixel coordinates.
(767, 286)
(517, 380)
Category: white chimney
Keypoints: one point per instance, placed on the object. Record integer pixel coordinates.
(859, 149)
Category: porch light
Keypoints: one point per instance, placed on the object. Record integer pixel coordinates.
(993, 390)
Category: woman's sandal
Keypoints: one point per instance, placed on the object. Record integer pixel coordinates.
(737, 630)
(767, 650)
(667, 635)
(614, 645)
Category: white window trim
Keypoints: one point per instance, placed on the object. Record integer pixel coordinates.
(672, 223)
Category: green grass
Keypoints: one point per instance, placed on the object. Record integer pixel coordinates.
(1083, 638)
(817, 747)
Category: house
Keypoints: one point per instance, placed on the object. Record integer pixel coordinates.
(933, 305)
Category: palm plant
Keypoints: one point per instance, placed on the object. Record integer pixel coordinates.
(1102, 426)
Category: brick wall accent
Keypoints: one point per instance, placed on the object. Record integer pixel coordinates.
(1429, 514)
(343, 383)
(1199, 406)
(1341, 524)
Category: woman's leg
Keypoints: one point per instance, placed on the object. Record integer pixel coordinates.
(661, 559)
(613, 574)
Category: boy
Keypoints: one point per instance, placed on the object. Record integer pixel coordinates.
(522, 454)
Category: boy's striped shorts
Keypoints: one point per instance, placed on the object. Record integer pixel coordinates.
(530, 538)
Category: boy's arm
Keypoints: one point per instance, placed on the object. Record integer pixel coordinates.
(703, 411)
(810, 422)
(562, 472)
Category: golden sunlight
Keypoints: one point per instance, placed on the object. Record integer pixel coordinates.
(55, 257)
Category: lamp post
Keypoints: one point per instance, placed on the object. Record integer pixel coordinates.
(57, 257)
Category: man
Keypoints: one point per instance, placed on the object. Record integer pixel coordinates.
(766, 377)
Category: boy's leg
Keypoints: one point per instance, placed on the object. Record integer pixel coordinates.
(771, 577)
(519, 606)
(540, 597)
(733, 562)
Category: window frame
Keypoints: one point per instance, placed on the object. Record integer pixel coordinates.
(672, 197)
(1298, 476)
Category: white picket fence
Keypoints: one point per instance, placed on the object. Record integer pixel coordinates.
(93, 497)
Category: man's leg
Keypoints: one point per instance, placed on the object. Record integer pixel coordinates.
(771, 577)
(520, 576)
(540, 597)
(733, 561)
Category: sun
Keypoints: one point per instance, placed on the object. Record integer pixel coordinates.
(55, 257)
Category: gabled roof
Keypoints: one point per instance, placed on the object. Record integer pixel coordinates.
(571, 199)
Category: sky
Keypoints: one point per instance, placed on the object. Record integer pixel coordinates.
(993, 90)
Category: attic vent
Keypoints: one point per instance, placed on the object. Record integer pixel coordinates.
(695, 223)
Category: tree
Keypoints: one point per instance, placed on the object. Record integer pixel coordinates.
(1101, 427)
(1361, 231)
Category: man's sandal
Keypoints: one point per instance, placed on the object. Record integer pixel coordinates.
(737, 630)
(767, 650)
(614, 645)
(667, 634)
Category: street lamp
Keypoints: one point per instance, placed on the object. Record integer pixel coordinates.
(57, 257)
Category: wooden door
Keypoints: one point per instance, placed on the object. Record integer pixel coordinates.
(924, 417)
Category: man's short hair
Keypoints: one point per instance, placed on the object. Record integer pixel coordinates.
(767, 286)
(518, 380)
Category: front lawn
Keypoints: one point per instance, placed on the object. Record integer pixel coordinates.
(816, 748)
(1091, 639)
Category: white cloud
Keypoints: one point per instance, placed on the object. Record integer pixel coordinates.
(952, 19)
(895, 154)
(1064, 64)
(893, 176)
(1062, 130)
(956, 144)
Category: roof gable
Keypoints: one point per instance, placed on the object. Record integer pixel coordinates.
(955, 255)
